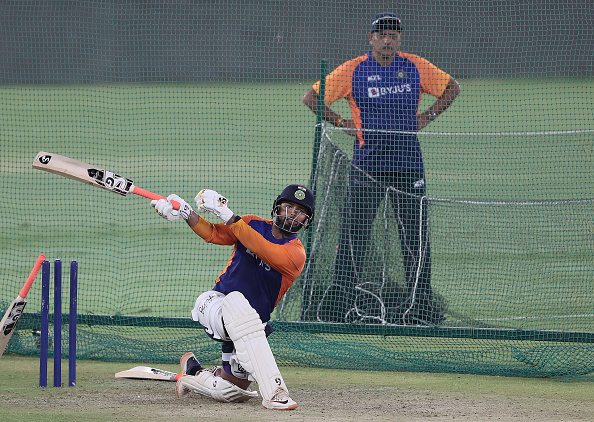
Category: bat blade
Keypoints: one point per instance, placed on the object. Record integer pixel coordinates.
(91, 175)
(82, 172)
(16, 308)
(147, 373)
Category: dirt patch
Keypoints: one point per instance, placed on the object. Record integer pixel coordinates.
(151, 401)
(322, 395)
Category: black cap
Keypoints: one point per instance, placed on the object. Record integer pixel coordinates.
(386, 22)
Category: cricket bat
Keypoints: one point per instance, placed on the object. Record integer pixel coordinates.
(86, 173)
(15, 309)
(147, 373)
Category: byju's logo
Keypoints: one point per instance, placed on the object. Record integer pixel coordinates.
(375, 92)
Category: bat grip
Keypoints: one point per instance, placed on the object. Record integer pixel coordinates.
(153, 196)
(31, 278)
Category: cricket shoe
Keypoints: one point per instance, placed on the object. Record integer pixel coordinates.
(280, 401)
(189, 364)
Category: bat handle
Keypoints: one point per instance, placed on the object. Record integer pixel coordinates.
(154, 196)
(31, 278)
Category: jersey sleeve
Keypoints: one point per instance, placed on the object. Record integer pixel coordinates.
(433, 80)
(339, 82)
(288, 259)
(219, 234)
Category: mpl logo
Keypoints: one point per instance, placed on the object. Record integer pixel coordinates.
(373, 92)
(374, 78)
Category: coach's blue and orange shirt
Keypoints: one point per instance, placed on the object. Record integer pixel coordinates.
(384, 102)
(261, 266)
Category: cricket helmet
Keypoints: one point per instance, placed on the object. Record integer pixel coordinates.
(296, 194)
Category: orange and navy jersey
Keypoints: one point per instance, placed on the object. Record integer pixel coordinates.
(261, 266)
(384, 102)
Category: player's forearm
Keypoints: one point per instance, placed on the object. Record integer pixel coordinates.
(200, 226)
(447, 98)
(219, 234)
(441, 104)
(193, 219)
(310, 99)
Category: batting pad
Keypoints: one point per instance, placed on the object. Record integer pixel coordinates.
(246, 330)
(206, 383)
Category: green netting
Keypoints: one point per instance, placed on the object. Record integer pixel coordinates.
(189, 95)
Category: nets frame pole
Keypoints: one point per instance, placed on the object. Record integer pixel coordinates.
(312, 184)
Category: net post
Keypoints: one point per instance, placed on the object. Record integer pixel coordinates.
(318, 130)
(314, 166)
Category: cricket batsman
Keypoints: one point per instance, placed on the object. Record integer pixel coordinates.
(267, 258)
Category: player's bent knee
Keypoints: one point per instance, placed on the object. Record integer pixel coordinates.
(208, 312)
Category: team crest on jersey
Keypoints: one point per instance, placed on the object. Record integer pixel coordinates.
(401, 74)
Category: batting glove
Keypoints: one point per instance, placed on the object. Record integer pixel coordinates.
(211, 201)
(165, 208)
(184, 208)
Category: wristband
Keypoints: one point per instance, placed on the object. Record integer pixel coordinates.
(235, 220)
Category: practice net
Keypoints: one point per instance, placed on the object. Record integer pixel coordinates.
(182, 96)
